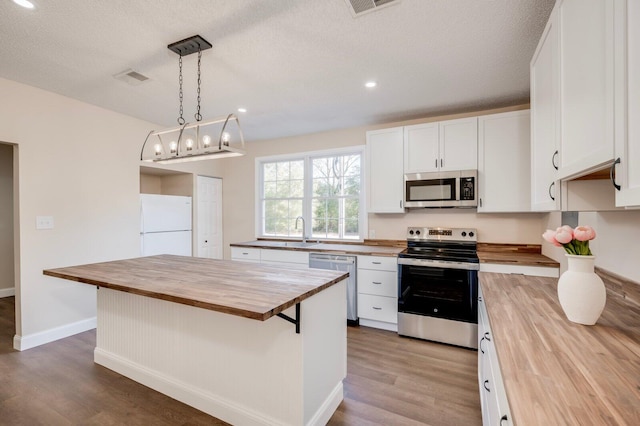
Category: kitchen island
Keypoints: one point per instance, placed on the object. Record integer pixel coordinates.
(249, 345)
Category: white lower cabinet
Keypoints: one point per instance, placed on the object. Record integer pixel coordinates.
(493, 397)
(378, 292)
(289, 258)
(245, 254)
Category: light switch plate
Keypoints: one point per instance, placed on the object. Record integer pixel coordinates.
(44, 222)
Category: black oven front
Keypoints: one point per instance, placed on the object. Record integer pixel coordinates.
(439, 291)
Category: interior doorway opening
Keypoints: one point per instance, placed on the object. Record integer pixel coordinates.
(8, 245)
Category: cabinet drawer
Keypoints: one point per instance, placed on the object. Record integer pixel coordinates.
(381, 283)
(246, 254)
(378, 308)
(380, 263)
(289, 256)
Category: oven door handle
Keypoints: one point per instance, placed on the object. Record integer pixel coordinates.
(438, 264)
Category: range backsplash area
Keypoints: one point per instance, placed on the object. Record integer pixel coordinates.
(507, 228)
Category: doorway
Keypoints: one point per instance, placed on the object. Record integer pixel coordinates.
(209, 217)
(7, 244)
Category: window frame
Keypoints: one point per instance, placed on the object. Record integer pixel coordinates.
(307, 204)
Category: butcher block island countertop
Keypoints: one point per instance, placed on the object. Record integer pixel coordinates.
(557, 372)
(257, 292)
(201, 331)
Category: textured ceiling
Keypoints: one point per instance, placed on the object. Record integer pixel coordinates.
(298, 66)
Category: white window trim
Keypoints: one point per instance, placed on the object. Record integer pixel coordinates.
(306, 207)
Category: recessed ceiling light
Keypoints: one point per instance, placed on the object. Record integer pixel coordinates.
(242, 109)
(24, 3)
(370, 84)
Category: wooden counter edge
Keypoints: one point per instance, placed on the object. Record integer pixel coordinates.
(193, 302)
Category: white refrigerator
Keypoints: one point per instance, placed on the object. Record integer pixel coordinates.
(165, 222)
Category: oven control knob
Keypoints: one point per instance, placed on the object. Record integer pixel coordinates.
(471, 234)
(435, 310)
(418, 232)
(464, 234)
(411, 232)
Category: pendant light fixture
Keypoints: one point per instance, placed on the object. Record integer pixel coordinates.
(199, 140)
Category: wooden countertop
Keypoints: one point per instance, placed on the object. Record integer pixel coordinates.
(248, 290)
(557, 372)
(508, 254)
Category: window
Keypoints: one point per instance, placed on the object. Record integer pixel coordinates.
(324, 188)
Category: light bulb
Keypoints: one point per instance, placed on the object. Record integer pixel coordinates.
(158, 148)
(189, 144)
(206, 140)
(226, 137)
(173, 147)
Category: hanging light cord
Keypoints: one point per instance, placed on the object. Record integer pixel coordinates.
(197, 115)
(180, 118)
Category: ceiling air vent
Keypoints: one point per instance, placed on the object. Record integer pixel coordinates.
(131, 77)
(360, 7)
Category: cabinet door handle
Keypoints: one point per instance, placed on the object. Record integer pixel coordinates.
(376, 308)
(553, 160)
(486, 382)
(436, 163)
(480, 202)
(376, 263)
(376, 282)
(503, 419)
(480, 344)
(551, 186)
(487, 336)
(612, 171)
(441, 162)
(400, 203)
(245, 253)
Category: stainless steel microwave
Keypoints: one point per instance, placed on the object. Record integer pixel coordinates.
(441, 189)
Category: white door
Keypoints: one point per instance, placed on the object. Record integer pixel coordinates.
(209, 217)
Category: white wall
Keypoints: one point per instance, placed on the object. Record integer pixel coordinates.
(6, 220)
(78, 163)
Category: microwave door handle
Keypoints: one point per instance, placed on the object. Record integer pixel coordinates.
(457, 188)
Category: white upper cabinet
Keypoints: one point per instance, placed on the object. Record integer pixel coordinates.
(627, 60)
(545, 188)
(441, 146)
(504, 177)
(385, 178)
(586, 85)
(421, 148)
(459, 144)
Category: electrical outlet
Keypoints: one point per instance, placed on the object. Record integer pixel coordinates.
(44, 222)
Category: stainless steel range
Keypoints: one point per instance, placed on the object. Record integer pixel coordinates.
(438, 286)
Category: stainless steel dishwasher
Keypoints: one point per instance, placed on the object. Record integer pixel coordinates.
(343, 263)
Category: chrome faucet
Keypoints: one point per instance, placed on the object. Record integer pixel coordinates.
(304, 238)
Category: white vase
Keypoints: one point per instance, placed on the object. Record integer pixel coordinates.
(581, 291)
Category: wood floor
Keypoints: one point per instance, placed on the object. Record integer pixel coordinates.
(391, 381)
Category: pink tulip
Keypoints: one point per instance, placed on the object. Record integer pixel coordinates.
(550, 236)
(563, 236)
(584, 233)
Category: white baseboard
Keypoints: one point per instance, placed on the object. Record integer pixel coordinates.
(7, 292)
(190, 395)
(29, 341)
(328, 407)
(379, 324)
